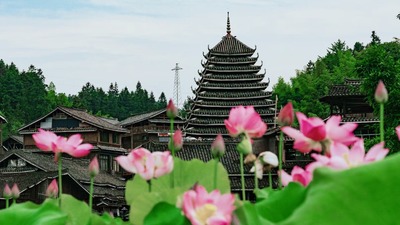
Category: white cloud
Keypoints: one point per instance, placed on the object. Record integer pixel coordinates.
(126, 41)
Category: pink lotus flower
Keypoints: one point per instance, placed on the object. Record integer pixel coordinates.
(342, 157)
(245, 120)
(163, 163)
(7, 192)
(172, 111)
(381, 94)
(146, 164)
(298, 174)
(314, 132)
(94, 167)
(286, 115)
(52, 189)
(203, 208)
(44, 139)
(218, 147)
(398, 131)
(177, 140)
(48, 141)
(15, 191)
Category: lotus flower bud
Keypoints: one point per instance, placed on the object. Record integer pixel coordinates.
(172, 111)
(7, 192)
(286, 115)
(381, 94)
(52, 189)
(15, 191)
(94, 167)
(177, 141)
(218, 147)
(398, 131)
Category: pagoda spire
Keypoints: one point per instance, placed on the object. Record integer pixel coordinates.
(228, 25)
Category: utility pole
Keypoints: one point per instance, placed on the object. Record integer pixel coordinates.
(177, 86)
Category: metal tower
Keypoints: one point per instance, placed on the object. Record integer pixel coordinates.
(177, 86)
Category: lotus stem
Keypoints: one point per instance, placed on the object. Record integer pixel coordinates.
(59, 178)
(381, 124)
(91, 192)
(149, 183)
(270, 179)
(172, 182)
(216, 172)
(280, 159)
(255, 178)
(7, 202)
(242, 176)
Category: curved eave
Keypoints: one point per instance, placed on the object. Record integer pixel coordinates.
(244, 62)
(206, 124)
(205, 134)
(234, 80)
(230, 106)
(227, 70)
(231, 98)
(226, 54)
(210, 115)
(261, 87)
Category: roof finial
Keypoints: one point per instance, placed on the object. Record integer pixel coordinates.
(228, 26)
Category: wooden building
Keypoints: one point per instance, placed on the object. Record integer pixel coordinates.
(151, 126)
(230, 78)
(347, 101)
(16, 166)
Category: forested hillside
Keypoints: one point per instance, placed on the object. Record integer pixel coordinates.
(372, 62)
(24, 96)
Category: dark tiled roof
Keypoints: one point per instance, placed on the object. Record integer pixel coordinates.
(230, 69)
(352, 81)
(93, 120)
(110, 120)
(247, 86)
(77, 168)
(232, 77)
(234, 95)
(360, 119)
(141, 117)
(17, 138)
(231, 61)
(231, 45)
(220, 121)
(26, 180)
(225, 112)
(83, 116)
(230, 104)
(110, 148)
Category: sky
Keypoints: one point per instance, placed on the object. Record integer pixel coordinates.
(126, 41)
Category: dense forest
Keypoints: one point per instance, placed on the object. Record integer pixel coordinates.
(371, 62)
(24, 97)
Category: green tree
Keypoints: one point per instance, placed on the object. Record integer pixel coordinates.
(382, 62)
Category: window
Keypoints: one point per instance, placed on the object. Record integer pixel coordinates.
(16, 163)
(115, 166)
(115, 138)
(104, 137)
(104, 162)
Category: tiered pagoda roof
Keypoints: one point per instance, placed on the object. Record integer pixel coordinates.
(230, 77)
